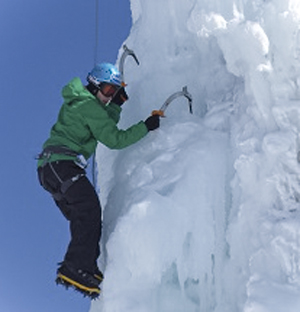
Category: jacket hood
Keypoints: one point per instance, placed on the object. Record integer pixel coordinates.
(75, 89)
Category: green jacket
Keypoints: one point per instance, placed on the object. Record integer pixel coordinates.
(83, 120)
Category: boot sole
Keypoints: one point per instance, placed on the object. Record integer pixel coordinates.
(92, 292)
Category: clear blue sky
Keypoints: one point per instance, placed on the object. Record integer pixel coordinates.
(43, 46)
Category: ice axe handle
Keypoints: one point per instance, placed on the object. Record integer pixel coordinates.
(158, 112)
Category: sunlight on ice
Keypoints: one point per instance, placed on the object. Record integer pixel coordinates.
(204, 213)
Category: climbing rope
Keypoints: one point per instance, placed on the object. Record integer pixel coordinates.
(96, 31)
(95, 62)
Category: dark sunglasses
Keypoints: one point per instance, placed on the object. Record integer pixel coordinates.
(108, 89)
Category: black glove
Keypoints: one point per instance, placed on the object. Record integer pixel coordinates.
(152, 122)
(120, 97)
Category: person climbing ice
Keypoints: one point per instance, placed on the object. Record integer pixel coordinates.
(88, 115)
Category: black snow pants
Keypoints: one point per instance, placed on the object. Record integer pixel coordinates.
(81, 207)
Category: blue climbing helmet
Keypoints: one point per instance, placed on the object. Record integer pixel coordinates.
(104, 72)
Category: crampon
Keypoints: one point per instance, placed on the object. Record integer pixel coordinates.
(91, 292)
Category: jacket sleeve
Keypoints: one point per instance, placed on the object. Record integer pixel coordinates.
(114, 111)
(103, 127)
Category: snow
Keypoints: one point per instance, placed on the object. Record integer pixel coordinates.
(203, 214)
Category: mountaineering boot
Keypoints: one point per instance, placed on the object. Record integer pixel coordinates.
(82, 281)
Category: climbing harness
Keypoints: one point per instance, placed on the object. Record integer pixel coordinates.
(184, 92)
(48, 151)
(46, 154)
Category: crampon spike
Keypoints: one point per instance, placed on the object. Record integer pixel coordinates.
(92, 294)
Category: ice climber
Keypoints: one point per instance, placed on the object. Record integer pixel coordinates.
(88, 115)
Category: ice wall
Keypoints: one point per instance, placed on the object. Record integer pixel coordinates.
(203, 214)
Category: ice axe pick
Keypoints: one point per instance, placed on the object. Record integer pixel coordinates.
(184, 92)
(125, 53)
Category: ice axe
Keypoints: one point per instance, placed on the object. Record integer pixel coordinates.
(184, 92)
(125, 53)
